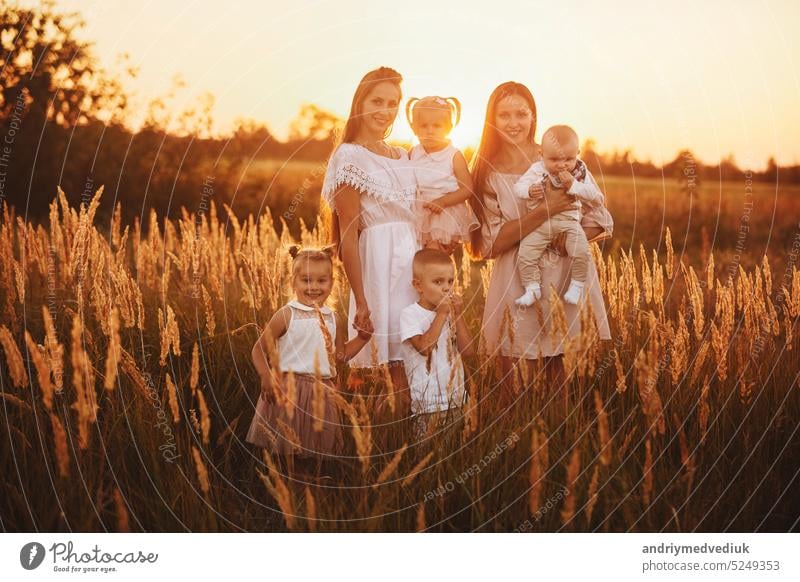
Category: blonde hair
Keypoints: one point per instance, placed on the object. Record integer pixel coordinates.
(427, 257)
(560, 135)
(449, 105)
(300, 256)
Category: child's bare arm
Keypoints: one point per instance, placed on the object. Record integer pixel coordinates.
(464, 191)
(276, 327)
(347, 350)
(463, 337)
(425, 342)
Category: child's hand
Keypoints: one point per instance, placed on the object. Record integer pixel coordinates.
(536, 191)
(364, 334)
(266, 388)
(566, 179)
(458, 304)
(444, 306)
(433, 206)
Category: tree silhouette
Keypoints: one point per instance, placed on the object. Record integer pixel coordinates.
(56, 74)
(313, 123)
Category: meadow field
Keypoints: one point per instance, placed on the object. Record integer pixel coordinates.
(127, 386)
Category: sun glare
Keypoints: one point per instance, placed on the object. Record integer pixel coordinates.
(467, 132)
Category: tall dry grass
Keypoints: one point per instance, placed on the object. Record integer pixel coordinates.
(127, 390)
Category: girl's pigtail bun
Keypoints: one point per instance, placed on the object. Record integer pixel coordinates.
(329, 250)
(455, 104)
(410, 110)
(293, 251)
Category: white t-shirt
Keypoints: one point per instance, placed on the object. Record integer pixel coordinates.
(429, 387)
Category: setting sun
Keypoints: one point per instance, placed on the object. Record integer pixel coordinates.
(653, 89)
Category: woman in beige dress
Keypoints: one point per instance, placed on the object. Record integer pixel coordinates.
(506, 151)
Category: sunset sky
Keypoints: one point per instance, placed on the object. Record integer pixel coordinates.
(718, 77)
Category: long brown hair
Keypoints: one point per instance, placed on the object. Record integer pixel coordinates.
(353, 124)
(367, 83)
(484, 157)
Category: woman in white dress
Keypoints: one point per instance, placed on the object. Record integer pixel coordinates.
(370, 187)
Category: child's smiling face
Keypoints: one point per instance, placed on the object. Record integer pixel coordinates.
(313, 282)
(559, 156)
(432, 126)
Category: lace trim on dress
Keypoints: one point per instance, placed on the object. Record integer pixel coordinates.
(348, 172)
(359, 179)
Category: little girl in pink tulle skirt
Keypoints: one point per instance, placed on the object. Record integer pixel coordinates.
(297, 414)
(444, 218)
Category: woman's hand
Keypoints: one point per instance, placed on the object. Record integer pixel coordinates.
(362, 322)
(557, 200)
(559, 243)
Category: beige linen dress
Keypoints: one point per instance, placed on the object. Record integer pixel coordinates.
(531, 339)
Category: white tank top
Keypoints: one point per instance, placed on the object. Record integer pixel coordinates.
(304, 338)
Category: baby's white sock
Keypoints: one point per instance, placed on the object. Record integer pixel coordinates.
(533, 292)
(574, 293)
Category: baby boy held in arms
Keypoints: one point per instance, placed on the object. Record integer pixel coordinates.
(434, 337)
(559, 168)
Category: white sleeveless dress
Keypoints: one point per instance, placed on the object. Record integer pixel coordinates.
(387, 241)
(435, 178)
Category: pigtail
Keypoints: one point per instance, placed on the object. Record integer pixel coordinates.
(410, 109)
(294, 250)
(329, 251)
(455, 105)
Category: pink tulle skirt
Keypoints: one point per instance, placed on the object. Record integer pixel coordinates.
(452, 225)
(306, 433)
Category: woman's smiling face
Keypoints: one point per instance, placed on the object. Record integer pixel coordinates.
(513, 119)
(379, 109)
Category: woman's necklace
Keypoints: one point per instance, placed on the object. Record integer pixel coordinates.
(379, 148)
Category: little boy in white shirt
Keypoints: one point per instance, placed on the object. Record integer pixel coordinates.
(434, 338)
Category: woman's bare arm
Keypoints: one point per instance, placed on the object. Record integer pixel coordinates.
(347, 204)
(348, 210)
(593, 232)
(513, 231)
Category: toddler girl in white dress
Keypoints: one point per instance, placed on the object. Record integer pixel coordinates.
(444, 219)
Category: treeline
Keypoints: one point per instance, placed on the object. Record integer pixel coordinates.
(63, 123)
(685, 167)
